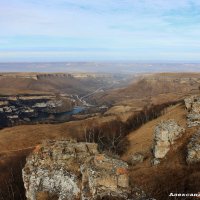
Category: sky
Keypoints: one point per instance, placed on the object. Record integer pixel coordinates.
(99, 30)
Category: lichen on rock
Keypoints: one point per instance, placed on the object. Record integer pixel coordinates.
(71, 170)
(193, 149)
(192, 104)
(103, 175)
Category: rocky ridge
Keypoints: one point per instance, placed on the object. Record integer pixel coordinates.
(192, 104)
(165, 134)
(193, 149)
(24, 108)
(35, 76)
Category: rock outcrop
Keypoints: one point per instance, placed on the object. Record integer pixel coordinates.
(193, 149)
(165, 134)
(68, 170)
(193, 107)
(21, 109)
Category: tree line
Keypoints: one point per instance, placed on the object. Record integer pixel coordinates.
(111, 136)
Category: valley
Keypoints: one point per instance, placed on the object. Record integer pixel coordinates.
(100, 100)
(119, 118)
(30, 98)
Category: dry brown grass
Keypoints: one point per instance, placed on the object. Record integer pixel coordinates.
(142, 138)
(172, 175)
(25, 136)
(170, 85)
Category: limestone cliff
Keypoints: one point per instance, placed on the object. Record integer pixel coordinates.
(192, 104)
(68, 170)
(193, 149)
(21, 109)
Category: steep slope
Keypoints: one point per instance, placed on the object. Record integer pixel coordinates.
(43, 85)
(142, 139)
(27, 136)
(173, 174)
(150, 86)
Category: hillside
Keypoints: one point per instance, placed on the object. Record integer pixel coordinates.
(150, 86)
(125, 128)
(142, 138)
(173, 174)
(25, 136)
(76, 83)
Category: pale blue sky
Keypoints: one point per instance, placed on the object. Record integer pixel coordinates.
(101, 30)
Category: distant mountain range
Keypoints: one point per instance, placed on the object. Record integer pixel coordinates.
(107, 67)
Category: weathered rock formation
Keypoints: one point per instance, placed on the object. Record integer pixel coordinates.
(193, 107)
(67, 170)
(25, 108)
(193, 149)
(165, 134)
(35, 76)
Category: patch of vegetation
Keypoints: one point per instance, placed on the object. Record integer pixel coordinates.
(111, 136)
(11, 183)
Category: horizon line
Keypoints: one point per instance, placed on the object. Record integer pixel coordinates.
(109, 61)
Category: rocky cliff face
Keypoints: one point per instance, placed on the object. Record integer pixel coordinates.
(192, 104)
(193, 149)
(54, 75)
(23, 109)
(35, 76)
(67, 170)
(165, 134)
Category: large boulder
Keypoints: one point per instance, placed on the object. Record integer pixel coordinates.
(193, 149)
(165, 134)
(192, 104)
(68, 170)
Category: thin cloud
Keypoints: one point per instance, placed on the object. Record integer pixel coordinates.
(135, 27)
